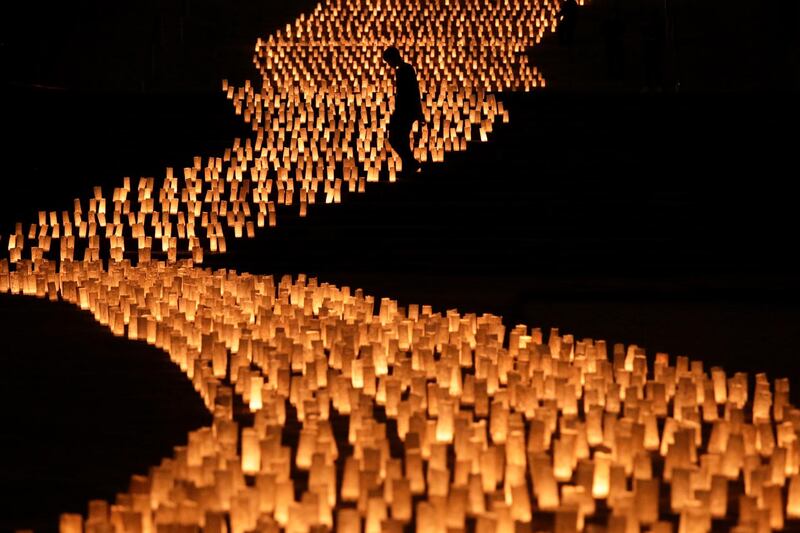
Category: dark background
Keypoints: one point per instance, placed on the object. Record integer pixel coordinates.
(666, 219)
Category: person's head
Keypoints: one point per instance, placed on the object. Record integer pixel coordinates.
(392, 56)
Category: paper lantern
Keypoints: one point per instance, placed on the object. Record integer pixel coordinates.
(566, 521)
(602, 474)
(349, 521)
(401, 500)
(564, 457)
(256, 384)
(251, 451)
(350, 486)
(376, 514)
(70, 523)
(646, 493)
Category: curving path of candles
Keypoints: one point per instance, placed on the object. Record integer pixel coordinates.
(372, 417)
(319, 120)
(334, 410)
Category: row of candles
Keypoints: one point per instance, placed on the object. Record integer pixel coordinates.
(319, 118)
(441, 421)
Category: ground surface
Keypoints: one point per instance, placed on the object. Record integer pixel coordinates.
(82, 411)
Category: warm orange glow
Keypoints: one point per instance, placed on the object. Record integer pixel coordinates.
(318, 116)
(492, 426)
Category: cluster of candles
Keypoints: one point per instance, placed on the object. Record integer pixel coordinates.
(319, 123)
(332, 410)
(326, 90)
(335, 411)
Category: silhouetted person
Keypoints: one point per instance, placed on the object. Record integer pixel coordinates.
(407, 108)
(567, 15)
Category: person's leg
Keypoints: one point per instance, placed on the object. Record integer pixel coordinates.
(394, 137)
(410, 163)
(399, 139)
